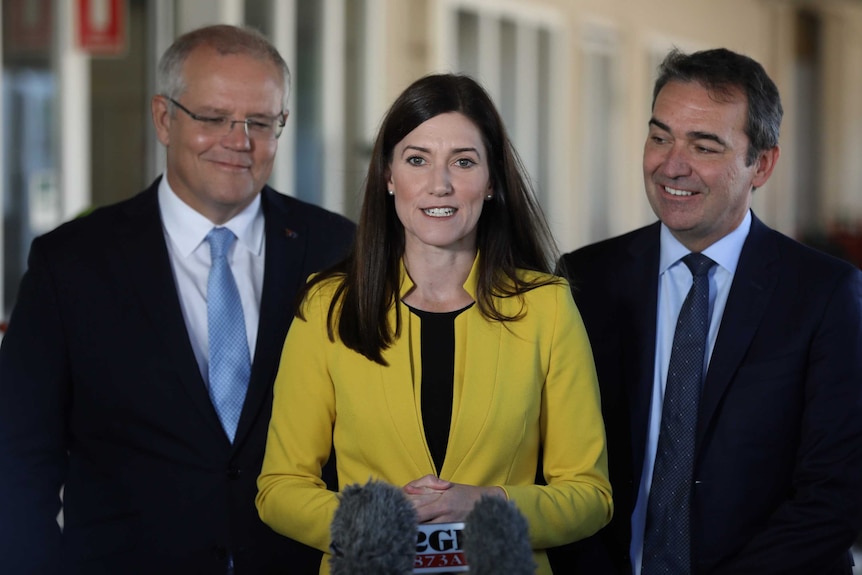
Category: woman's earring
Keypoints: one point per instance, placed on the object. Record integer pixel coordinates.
(391, 192)
(489, 197)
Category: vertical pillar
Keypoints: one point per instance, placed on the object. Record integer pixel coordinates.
(73, 101)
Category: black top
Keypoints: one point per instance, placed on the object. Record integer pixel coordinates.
(437, 339)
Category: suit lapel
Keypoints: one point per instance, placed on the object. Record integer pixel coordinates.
(143, 258)
(753, 284)
(286, 242)
(399, 390)
(640, 285)
(482, 340)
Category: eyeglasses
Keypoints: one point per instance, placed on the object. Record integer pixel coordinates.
(255, 129)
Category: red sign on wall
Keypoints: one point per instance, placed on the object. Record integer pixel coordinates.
(102, 26)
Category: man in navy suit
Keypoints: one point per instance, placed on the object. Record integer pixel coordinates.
(776, 480)
(104, 381)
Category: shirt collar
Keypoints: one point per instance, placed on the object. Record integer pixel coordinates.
(725, 252)
(187, 227)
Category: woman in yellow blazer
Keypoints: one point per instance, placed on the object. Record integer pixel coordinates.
(441, 356)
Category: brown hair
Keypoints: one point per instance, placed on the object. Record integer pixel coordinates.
(512, 233)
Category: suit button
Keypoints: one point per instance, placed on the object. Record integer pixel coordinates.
(233, 472)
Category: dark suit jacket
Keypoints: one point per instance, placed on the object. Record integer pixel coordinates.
(778, 460)
(100, 391)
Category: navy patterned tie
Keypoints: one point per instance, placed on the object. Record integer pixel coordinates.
(667, 541)
(229, 363)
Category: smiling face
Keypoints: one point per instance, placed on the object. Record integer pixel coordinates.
(219, 175)
(441, 179)
(694, 163)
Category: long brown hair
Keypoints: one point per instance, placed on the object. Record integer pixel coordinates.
(512, 233)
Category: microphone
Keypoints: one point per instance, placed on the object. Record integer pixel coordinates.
(496, 539)
(373, 531)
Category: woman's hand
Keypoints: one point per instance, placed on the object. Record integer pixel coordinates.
(439, 501)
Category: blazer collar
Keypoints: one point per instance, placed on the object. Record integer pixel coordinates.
(286, 237)
(401, 380)
(141, 257)
(753, 284)
(144, 260)
(638, 282)
(470, 284)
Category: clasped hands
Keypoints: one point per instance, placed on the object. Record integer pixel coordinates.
(439, 501)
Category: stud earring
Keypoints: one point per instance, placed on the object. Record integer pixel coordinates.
(489, 197)
(391, 192)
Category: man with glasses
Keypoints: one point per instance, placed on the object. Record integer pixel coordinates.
(137, 370)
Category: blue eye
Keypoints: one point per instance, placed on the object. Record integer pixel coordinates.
(465, 163)
(415, 161)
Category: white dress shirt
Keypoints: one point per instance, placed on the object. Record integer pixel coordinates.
(185, 233)
(675, 281)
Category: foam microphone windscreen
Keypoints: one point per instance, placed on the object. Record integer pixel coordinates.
(373, 531)
(496, 539)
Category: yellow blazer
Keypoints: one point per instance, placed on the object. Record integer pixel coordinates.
(518, 386)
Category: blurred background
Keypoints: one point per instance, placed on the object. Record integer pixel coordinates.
(573, 79)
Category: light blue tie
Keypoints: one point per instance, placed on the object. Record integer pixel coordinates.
(229, 363)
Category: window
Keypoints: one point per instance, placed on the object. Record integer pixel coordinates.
(517, 53)
(599, 128)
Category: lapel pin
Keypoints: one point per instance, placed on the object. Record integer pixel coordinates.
(290, 233)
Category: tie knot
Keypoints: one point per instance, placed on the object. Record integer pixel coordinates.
(699, 264)
(220, 240)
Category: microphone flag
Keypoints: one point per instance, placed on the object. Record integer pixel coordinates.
(440, 549)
